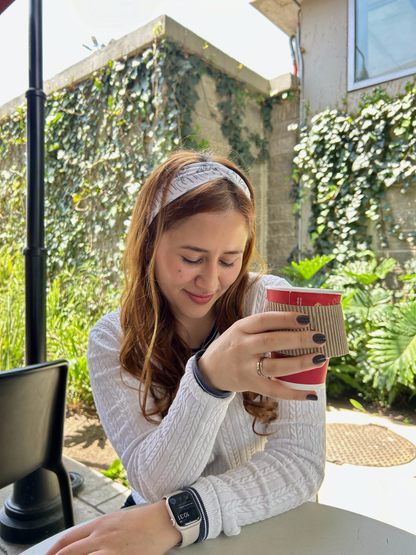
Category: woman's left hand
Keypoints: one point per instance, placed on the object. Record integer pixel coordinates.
(138, 531)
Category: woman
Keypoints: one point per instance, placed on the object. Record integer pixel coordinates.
(181, 380)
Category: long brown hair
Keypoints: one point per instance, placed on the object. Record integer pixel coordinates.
(152, 349)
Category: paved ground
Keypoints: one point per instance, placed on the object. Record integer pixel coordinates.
(386, 494)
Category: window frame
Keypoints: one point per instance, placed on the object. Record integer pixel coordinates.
(356, 85)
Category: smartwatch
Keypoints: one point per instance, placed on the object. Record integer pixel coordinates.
(184, 516)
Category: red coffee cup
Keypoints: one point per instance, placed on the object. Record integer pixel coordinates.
(306, 297)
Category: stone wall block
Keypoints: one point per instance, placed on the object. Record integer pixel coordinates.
(280, 165)
(252, 118)
(281, 229)
(276, 263)
(282, 224)
(286, 111)
(280, 213)
(279, 191)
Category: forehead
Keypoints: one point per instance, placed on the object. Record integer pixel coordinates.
(210, 229)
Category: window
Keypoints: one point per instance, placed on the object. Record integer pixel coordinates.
(382, 41)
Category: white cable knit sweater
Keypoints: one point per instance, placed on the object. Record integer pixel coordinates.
(206, 441)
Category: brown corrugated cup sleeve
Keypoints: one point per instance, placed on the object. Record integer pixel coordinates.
(328, 320)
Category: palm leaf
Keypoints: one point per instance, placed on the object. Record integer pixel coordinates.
(368, 272)
(388, 265)
(392, 347)
(306, 269)
(367, 302)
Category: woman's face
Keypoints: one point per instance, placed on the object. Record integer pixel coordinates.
(197, 262)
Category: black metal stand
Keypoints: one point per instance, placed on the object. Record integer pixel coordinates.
(34, 511)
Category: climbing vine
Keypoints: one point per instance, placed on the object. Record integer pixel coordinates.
(349, 162)
(104, 137)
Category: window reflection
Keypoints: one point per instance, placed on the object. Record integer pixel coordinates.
(385, 37)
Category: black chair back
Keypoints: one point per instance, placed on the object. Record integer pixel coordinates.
(32, 417)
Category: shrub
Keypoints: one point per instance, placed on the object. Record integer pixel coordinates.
(77, 298)
(380, 324)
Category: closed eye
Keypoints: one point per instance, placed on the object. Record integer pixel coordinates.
(194, 262)
(191, 261)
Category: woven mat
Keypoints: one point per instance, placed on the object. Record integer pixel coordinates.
(367, 445)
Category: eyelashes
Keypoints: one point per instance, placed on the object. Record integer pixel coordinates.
(195, 262)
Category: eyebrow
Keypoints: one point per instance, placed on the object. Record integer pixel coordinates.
(197, 249)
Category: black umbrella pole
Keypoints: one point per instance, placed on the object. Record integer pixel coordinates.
(34, 512)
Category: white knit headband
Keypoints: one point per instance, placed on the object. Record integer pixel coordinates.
(191, 176)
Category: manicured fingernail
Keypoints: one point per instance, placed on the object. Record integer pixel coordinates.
(312, 397)
(319, 359)
(319, 338)
(303, 319)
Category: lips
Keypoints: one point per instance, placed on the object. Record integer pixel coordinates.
(199, 299)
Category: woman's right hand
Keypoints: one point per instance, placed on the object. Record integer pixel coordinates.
(230, 362)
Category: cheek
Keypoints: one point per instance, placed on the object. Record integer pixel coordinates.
(181, 273)
(230, 277)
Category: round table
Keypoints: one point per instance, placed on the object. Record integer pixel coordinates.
(311, 529)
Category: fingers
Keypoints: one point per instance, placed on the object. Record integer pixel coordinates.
(284, 340)
(277, 390)
(260, 323)
(272, 368)
(263, 335)
(75, 535)
(275, 367)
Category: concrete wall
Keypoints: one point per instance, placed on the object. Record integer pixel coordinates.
(324, 38)
(282, 228)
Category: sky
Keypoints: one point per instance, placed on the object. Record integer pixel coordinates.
(233, 26)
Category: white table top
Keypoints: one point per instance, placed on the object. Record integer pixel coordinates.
(311, 529)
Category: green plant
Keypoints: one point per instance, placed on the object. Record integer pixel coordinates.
(381, 327)
(11, 309)
(117, 472)
(380, 324)
(77, 298)
(305, 273)
(349, 161)
(357, 405)
(392, 349)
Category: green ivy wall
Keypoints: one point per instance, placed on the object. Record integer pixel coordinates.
(115, 122)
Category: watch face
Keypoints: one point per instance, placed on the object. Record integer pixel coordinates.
(184, 509)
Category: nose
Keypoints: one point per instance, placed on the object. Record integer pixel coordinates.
(208, 279)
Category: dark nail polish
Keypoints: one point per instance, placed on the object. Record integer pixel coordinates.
(319, 359)
(319, 338)
(312, 397)
(303, 319)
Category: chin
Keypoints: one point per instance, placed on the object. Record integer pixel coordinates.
(198, 313)
(195, 311)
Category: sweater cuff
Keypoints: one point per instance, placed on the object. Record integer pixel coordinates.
(204, 528)
(202, 383)
(206, 496)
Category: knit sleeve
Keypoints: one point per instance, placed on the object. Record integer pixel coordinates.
(158, 458)
(288, 472)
